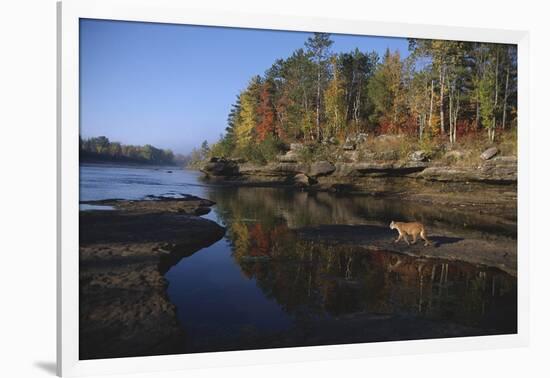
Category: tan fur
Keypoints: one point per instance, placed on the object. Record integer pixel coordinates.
(413, 229)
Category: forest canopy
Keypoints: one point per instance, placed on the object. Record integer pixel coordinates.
(102, 149)
(442, 91)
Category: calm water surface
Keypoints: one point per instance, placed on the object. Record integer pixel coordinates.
(263, 282)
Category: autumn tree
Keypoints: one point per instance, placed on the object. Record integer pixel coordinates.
(356, 70)
(420, 84)
(335, 102)
(318, 46)
(293, 83)
(247, 115)
(494, 86)
(387, 92)
(265, 112)
(441, 88)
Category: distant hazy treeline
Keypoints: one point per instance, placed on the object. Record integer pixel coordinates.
(101, 148)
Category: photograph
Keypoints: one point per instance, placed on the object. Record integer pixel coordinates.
(245, 189)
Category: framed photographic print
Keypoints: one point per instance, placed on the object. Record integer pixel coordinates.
(241, 188)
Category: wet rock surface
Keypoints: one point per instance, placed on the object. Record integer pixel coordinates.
(190, 205)
(124, 308)
(500, 253)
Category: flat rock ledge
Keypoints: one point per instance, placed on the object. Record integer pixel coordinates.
(124, 253)
(497, 170)
(497, 253)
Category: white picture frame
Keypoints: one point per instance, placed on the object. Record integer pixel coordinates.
(172, 11)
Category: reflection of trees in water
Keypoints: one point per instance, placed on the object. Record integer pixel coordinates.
(309, 279)
(337, 280)
(299, 209)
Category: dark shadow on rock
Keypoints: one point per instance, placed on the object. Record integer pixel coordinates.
(47, 366)
(126, 227)
(441, 240)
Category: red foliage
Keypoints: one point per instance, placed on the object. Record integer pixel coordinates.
(281, 106)
(260, 241)
(410, 127)
(265, 112)
(387, 128)
(465, 128)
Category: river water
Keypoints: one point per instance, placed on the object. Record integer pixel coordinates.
(267, 284)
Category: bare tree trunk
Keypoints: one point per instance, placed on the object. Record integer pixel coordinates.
(505, 98)
(457, 108)
(357, 105)
(477, 114)
(492, 137)
(454, 103)
(451, 95)
(431, 105)
(422, 125)
(441, 95)
(318, 118)
(450, 120)
(350, 101)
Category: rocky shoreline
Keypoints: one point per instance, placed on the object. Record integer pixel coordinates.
(323, 174)
(124, 253)
(490, 187)
(485, 193)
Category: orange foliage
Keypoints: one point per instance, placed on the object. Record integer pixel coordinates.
(465, 128)
(260, 241)
(265, 113)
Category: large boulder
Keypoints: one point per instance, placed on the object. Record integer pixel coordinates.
(354, 140)
(321, 168)
(349, 145)
(296, 147)
(221, 167)
(500, 168)
(302, 180)
(418, 156)
(293, 154)
(489, 153)
(289, 157)
(361, 138)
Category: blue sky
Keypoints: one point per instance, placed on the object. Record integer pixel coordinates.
(172, 85)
